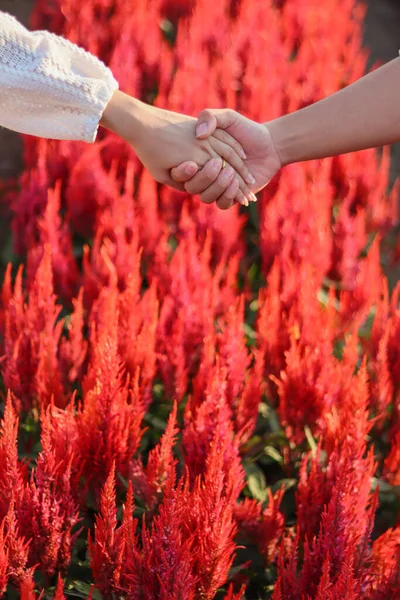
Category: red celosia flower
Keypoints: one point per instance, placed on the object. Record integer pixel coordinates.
(90, 189)
(392, 462)
(106, 553)
(137, 333)
(335, 509)
(56, 234)
(60, 438)
(209, 519)
(307, 388)
(349, 240)
(115, 249)
(232, 351)
(47, 512)
(263, 527)
(189, 517)
(4, 572)
(213, 418)
(27, 590)
(315, 219)
(385, 353)
(297, 207)
(29, 204)
(246, 407)
(31, 368)
(59, 593)
(73, 349)
(6, 294)
(11, 473)
(195, 296)
(149, 482)
(17, 546)
(385, 569)
(109, 419)
(230, 595)
(167, 568)
(290, 313)
(358, 297)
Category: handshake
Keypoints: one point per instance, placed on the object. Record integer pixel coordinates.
(222, 156)
(226, 158)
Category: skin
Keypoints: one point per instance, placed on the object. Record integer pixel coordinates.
(162, 139)
(365, 114)
(262, 157)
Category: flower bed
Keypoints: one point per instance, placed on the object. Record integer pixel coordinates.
(201, 404)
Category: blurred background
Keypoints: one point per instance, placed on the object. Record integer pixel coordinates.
(381, 37)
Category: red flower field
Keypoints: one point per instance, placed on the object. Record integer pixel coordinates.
(201, 404)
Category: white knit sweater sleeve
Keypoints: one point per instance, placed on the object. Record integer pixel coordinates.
(50, 87)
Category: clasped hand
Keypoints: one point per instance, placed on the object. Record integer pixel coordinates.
(222, 156)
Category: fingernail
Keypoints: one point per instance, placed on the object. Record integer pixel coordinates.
(216, 164)
(253, 197)
(201, 129)
(245, 202)
(228, 172)
(250, 179)
(191, 169)
(242, 154)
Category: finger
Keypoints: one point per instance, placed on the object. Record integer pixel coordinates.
(205, 177)
(245, 190)
(241, 198)
(184, 171)
(231, 157)
(165, 179)
(177, 186)
(219, 187)
(224, 136)
(225, 201)
(210, 119)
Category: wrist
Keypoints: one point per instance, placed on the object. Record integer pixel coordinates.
(123, 116)
(283, 140)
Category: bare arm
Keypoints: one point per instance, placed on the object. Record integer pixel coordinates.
(363, 115)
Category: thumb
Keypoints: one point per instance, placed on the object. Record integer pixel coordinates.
(184, 171)
(210, 119)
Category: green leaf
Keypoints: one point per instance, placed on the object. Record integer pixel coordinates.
(274, 454)
(84, 588)
(253, 273)
(255, 440)
(323, 297)
(249, 331)
(370, 241)
(310, 439)
(287, 483)
(385, 488)
(235, 571)
(256, 482)
(365, 330)
(169, 30)
(124, 481)
(273, 420)
(254, 305)
(158, 424)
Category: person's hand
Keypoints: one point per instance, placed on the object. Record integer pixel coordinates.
(162, 139)
(262, 160)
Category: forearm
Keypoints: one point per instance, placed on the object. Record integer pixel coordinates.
(363, 115)
(50, 87)
(122, 115)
